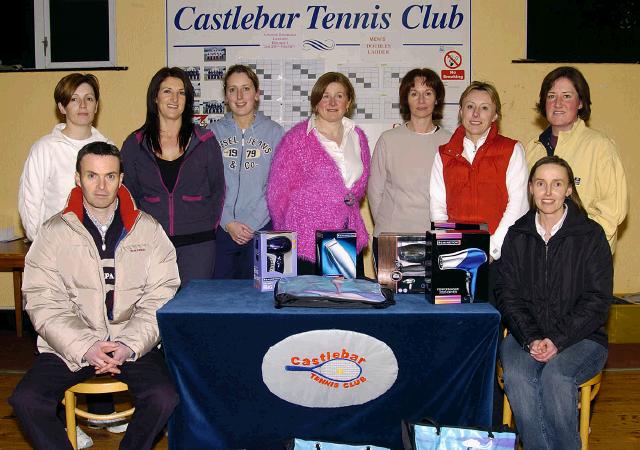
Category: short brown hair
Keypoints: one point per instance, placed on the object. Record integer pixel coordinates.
(325, 80)
(101, 149)
(489, 89)
(579, 83)
(572, 181)
(67, 86)
(432, 80)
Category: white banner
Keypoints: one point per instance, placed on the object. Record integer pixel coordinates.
(329, 368)
(291, 43)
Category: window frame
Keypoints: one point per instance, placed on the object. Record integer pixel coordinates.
(42, 34)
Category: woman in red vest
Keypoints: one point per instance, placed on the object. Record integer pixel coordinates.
(480, 176)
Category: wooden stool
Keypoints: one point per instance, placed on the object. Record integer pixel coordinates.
(98, 385)
(588, 391)
(12, 256)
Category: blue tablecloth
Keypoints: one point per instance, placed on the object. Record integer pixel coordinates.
(216, 333)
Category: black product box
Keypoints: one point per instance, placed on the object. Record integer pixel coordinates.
(459, 226)
(402, 264)
(459, 266)
(336, 253)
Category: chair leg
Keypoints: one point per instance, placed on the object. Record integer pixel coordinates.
(17, 299)
(585, 413)
(70, 413)
(507, 415)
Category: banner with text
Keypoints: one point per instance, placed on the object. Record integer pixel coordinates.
(291, 43)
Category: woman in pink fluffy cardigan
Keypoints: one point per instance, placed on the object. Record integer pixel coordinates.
(319, 172)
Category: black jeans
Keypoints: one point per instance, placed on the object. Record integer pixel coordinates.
(36, 398)
(232, 259)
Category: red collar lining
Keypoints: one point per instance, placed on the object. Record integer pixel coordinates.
(128, 210)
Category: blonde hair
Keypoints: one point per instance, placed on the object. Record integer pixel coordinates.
(489, 89)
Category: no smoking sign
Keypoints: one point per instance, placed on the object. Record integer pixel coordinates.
(452, 59)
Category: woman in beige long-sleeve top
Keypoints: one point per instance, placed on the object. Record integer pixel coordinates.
(398, 189)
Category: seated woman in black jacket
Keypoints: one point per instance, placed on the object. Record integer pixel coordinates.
(554, 294)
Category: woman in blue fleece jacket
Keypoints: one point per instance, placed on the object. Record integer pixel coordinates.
(247, 138)
(173, 169)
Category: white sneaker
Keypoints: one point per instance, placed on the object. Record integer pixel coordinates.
(83, 439)
(117, 429)
(112, 425)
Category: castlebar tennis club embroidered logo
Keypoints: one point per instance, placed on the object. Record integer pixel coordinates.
(329, 368)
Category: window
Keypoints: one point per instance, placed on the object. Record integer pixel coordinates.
(59, 34)
(583, 31)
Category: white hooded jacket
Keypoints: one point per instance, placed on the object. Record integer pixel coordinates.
(48, 177)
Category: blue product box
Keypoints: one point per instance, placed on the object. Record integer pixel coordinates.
(275, 256)
(336, 253)
(459, 266)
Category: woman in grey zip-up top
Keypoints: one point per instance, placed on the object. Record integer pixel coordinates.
(247, 139)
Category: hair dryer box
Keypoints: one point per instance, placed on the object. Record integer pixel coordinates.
(336, 253)
(459, 266)
(275, 256)
(459, 226)
(402, 262)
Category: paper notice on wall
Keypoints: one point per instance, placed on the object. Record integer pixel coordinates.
(290, 44)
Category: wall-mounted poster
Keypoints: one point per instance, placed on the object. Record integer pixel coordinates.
(291, 43)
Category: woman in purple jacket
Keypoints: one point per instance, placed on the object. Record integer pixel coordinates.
(174, 171)
(319, 172)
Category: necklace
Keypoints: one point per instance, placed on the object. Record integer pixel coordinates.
(102, 228)
(411, 127)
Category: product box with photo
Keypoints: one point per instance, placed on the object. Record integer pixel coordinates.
(336, 253)
(402, 262)
(275, 257)
(459, 266)
(459, 226)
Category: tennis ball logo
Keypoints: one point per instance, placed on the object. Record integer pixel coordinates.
(300, 369)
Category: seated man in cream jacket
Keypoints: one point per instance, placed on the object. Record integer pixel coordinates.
(90, 323)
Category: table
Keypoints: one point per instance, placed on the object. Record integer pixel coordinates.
(12, 260)
(215, 334)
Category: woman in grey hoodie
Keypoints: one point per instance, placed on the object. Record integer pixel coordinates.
(247, 139)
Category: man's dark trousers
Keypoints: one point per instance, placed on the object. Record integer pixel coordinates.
(38, 394)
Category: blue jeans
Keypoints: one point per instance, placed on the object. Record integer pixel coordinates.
(544, 396)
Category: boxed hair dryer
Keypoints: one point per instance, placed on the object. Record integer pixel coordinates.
(402, 262)
(275, 256)
(459, 266)
(459, 226)
(336, 253)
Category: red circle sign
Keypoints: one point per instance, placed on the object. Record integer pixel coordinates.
(452, 59)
